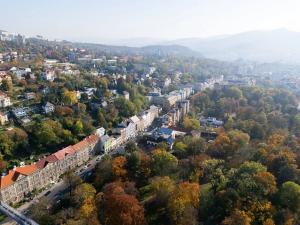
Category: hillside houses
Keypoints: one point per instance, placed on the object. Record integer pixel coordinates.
(129, 129)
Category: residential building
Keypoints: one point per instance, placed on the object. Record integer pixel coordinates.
(19, 182)
(126, 95)
(4, 100)
(48, 108)
(30, 95)
(49, 75)
(3, 118)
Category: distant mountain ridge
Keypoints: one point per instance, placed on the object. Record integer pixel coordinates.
(279, 45)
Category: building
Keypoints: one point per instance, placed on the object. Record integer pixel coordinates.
(4, 100)
(4, 76)
(48, 108)
(49, 75)
(126, 95)
(3, 118)
(162, 134)
(18, 183)
(147, 117)
(107, 143)
(211, 121)
(30, 95)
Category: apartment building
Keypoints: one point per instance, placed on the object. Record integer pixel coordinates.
(21, 181)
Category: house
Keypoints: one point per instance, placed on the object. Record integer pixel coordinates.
(107, 143)
(126, 95)
(4, 100)
(3, 118)
(162, 134)
(20, 112)
(48, 108)
(127, 130)
(211, 121)
(4, 76)
(18, 183)
(148, 116)
(20, 72)
(100, 131)
(30, 95)
(136, 120)
(49, 75)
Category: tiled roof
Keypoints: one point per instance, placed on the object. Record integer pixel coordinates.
(61, 154)
(13, 175)
(43, 162)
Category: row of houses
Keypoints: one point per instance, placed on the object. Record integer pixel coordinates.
(19, 182)
(129, 129)
(170, 99)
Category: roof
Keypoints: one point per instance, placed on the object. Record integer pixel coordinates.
(164, 130)
(48, 104)
(43, 162)
(134, 119)
(13, 175)
(61, 154)
(80, 145)
(3, 94)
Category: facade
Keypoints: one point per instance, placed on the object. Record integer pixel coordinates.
(4, 100)
(49, 75)
(21, 181)
(3, 118)
(48, 108)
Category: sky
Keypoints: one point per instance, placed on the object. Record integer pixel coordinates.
(98, 20)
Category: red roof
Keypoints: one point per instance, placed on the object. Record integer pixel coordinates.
(42, 163)
(13, 175)
(61, 154)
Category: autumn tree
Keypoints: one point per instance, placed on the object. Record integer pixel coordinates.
(183, 203)
(163, 162)
(118, 165)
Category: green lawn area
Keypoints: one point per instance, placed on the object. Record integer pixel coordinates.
(2, 217)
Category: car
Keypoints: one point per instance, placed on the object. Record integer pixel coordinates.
(47, 193)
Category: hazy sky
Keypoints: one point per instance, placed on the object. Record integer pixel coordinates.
(93, 20)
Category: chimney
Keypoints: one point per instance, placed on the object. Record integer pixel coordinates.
(14, 167)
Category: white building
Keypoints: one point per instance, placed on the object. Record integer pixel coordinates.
(4, 100)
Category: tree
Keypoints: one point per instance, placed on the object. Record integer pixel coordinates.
(118, 165)
(7, 86)
(183, 203)
(237, 217)
(180, 149)
(131, 147)
(161, 188)
(83, 192)
(72, 181)
(289, 196)
(234, 92)
(163, 162)
(121, 208)
(191, 123)
(69, 97)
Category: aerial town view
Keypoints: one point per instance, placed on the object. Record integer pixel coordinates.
(150, 112)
